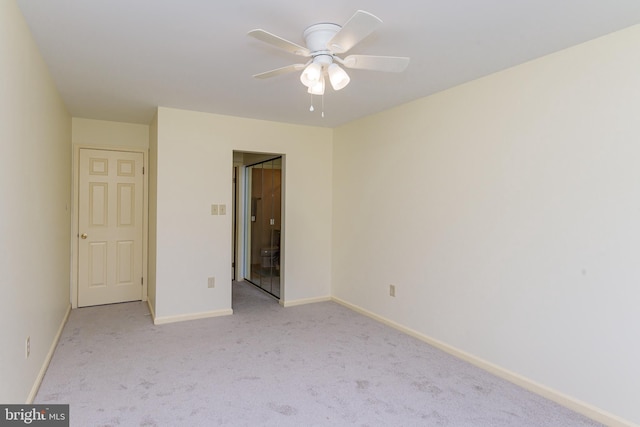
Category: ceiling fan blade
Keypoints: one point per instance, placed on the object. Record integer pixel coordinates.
(278, 71)
(359, 26)
(391, 64)
(279, 42)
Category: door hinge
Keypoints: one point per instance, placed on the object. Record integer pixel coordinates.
(141, 280)
(143, 170)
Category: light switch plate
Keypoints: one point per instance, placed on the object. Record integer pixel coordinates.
(214, 209)
(222, 209)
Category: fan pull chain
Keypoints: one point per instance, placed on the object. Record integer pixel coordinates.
(322, 103)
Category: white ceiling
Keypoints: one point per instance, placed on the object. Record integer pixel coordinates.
(119, 59)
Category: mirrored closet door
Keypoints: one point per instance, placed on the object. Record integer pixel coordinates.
(264, 192)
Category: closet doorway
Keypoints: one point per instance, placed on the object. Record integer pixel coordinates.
(264, 226)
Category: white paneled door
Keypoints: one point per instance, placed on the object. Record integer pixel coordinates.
(110, 227)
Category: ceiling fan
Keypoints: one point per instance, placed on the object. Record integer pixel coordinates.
(324, 42)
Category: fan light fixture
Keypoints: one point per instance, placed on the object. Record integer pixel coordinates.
(317, 88)
(311, 75)
(338, 77)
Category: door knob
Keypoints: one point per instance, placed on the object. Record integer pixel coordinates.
(83, 235)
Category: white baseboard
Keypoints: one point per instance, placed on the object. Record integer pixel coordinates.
(567, 401)
(152, 311)
(47, 359)
(191, 316)
(303, 301)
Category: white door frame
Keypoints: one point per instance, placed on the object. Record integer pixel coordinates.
(75, 183)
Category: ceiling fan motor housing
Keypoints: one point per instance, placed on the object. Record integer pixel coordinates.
(317, 37)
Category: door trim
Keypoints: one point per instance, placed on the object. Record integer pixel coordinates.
(75, 206)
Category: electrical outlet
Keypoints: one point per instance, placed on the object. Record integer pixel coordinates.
(212, 282)
(392, 290)
(27, 350)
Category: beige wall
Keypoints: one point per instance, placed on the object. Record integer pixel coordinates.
(153, 202)
(194, 170)
(35, 178)
(506, 212)
(103, 134)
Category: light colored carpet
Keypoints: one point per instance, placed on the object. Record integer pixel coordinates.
(313, 365)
